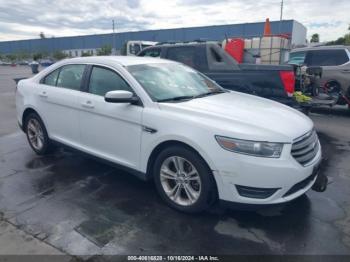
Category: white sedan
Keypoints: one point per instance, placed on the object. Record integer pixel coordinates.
(164, 121)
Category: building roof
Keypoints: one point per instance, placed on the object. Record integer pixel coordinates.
(117, 40)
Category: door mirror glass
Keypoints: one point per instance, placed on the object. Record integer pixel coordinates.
(121, 96)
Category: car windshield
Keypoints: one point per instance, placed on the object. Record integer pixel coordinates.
(173, 82)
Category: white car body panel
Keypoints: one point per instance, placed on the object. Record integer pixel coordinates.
(115, 131)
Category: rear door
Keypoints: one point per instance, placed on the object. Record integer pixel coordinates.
(57, 100)
(335, 65)
(109, 130)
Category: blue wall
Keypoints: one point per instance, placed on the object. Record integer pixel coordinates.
(181, 34)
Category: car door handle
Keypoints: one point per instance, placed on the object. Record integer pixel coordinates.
(87, 104)
(346, 71)
(43, 94)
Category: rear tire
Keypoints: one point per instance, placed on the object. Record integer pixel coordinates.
(184, 180)
(37, 136)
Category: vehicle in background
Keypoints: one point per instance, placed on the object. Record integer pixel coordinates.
(5, 63)
(335, 63)
(46, 62)
(132, 48)
(23, 62)
(165, 121)
(275, 82)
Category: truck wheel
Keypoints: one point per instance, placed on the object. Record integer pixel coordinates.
(183, 180)
(37, 134)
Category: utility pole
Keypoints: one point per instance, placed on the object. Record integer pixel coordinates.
(281, 17)
(281, 11)
(113, 39)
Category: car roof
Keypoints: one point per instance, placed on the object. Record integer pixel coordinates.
(121, 60)
(329, 47)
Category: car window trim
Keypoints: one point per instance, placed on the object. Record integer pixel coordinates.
(88, 76)
(82, 78)
(42, 80)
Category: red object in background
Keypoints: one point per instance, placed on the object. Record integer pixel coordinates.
(267, 28)
(235, 48)
(288, 80)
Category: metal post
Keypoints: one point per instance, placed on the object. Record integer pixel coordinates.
(281, 17)
(113, 39)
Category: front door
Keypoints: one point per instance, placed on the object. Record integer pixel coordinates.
(108, 130)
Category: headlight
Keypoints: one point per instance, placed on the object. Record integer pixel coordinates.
(253, 148)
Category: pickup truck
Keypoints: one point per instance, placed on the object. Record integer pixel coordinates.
(268, 81)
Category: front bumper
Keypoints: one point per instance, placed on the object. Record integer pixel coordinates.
(286, 175)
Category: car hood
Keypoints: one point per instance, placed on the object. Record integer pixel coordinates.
(243, 116)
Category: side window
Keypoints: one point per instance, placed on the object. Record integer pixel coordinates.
(51, 79)
(70, 76)
(103, 80)
(193, 56)
(327, 57)
(297, 58)
(135, 48)
(152, 52)
(184, 55)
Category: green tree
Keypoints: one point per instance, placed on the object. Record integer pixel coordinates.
(11, 57)
(105, 50)
(37, 56)
(23, 55)
(42, 35)
(315, 38)
(59, 55)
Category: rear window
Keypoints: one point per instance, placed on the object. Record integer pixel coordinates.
(327, 57)
(189, 55)
(152, 52)
(51, 79)
(70, 76)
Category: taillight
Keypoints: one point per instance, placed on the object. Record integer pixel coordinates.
(288, 80)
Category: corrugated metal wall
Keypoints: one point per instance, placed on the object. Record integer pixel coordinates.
(181, 34)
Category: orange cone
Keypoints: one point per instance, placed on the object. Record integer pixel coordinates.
(267, 28)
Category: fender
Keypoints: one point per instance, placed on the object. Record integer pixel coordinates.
(146, 152)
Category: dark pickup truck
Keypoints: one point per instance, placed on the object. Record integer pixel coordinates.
(269, 81)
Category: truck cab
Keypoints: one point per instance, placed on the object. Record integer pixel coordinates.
(132, 48)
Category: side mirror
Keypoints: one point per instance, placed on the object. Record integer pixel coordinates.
(121, 96)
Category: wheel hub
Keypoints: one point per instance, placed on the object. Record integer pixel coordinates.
(180, 180)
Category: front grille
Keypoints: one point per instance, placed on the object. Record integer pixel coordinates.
(305, 148)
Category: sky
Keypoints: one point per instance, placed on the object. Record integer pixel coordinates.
(25, 19)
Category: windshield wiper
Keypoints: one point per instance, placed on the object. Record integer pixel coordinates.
(177, 98)
(210, 93)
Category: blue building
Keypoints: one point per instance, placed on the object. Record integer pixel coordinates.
(77, 44)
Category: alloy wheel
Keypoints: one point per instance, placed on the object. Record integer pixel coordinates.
(35, 134)
(180, 180)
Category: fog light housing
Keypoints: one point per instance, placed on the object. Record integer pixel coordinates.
(254, 192)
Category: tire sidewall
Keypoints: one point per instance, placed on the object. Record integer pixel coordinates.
(46, 146)
(208, 192)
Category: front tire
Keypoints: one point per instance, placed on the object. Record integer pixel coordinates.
(184, 180)
(37, 135)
